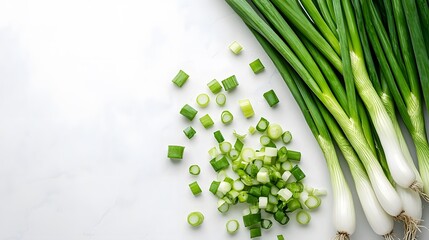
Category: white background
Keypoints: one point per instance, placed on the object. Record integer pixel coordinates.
(88, 109)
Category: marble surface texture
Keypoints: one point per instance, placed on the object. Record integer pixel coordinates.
(88, 109)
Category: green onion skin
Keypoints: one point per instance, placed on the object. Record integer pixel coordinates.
(271, 98)
(180, 79)
(235, 47)
(226, 117)
(246, 108)
(195, 188)
(218, 136)
(175, 152)
(206, 121)
(221, 99)
(189, 132)
(214, 86)
(188, 112)
(257, 66)
(195, 219)
(230, 83)
(203, 100)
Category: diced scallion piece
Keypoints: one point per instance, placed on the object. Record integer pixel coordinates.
(203, 100)
(233, 154)
(238, 145)
(222, 206)
(274, 131)
(287, 137)
(180, 79)
(293, 155)
(225, 147)
(175, 152)
(235, 47)
(266, 141)
(219, 137)
(297, 173)
(194, 169)
(195, 188)
(213, 152)
(226, 117)
(247, 154)
(195, 219)
(303, 217)
(214, 86)
(206, 121)
(312, 202)
(232, 226)
(188, 111)
(280, 237)
(266, 223)
(281, 217)
(257, 66)
(239, 136)
(230, 83)
(255, 232)
(252, 130)
(246, 108)
(262, 125)
(251, 219)
(221, 99)
(271, 98)
(219, 163)
(214, 186)
(189, 132)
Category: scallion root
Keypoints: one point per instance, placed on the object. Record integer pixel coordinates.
(342, 236)
(389, 236)
(419, 189)
(411, 226)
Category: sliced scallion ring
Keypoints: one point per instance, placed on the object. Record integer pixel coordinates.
(274, 131)
(303, 217)
(312, 202)
(232, 226)
(287, 137)
(194, 169)
(221, 99)
(225, 147)
(226, 117)
(203, 100)
(195, 219)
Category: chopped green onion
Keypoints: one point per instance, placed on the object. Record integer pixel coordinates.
(188, 111)
(287, 137)
(233, 154)
(238, 145)
(251, 219)
(293, 155)
(235, 47)
(287, 166)
(195, 219)
(232, 226)
(312, 202)
(219, 137)
(257, 66)
(271, 98)
(214, 86)
(219, 163)
(180, 78)
(213, 152)
(252, 130)
(281, 217)
(255, 232)
(189, 132)
(226, 117)
(214, 186)
(266, 141)
(248, 154)
(262, 203)
(206, 121)
(280, 237)
(242, 196)
(195, 188)
(282, 154)
(240, 136)
(225, 147)
(297, 173)
(238, 185)
(203, 100)
(221, 99)
(194, 169)
(274, 131)
(293, 205)
(262, 125)
(230, 83)
(271, 151)
(266, 223)
(303, 217)
(284, 194)
(222, 206)
(175, 152)
(246, 108)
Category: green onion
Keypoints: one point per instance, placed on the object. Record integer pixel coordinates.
(214, 186)
(203, 100)
(242, 196)
(235, 47)
(312, 202)
(246, 108)
(214, 86)
(287, 137)
(255, 232)
(219, 163)
(221, 99)
(257, 66)
(266, 141)
(189, 132)
(180, 78)
(230, 83)
(238, 145)
(293, 155)
(271, 98)
(195, 219)
(188, 111)
(281, 217)
(232, 226)
(252, 219)
(274, 131)
(262, 125)
(233, 154)
(206, 121)
(293, 205)
(175, 152)
(219, 137)
(226, 117)
(222, 206)
(297, 173)
(303, 217)
(195, 188)
(194, 169)
(280, 237)
(252, 130)
(266, 223)
(213, 152)
(225, 147)
(239, 136)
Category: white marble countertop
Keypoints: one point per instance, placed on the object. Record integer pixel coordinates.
(88, 109)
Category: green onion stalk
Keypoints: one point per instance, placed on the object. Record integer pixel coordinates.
(303, 63)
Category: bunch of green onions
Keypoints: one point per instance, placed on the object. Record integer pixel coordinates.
(349, 67)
